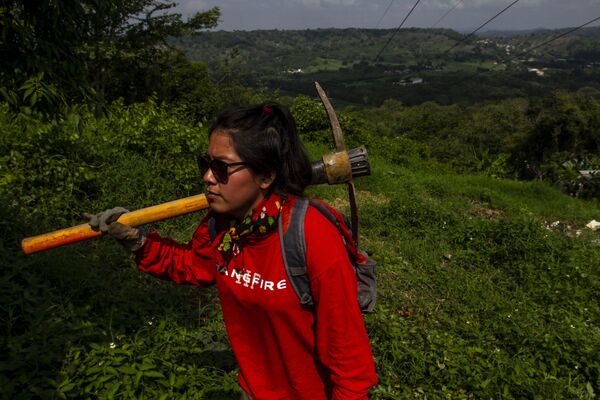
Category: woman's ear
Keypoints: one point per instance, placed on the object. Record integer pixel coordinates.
(266, 180)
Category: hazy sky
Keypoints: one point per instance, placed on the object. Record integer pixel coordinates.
(302, 14)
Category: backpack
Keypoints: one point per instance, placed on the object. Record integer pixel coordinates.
(293, 250)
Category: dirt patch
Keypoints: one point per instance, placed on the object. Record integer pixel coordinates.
(362, 197)
(484, 211)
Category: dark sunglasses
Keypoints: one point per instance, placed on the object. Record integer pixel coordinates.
(219, 168)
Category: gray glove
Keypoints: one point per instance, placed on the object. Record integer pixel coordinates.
(131, 238)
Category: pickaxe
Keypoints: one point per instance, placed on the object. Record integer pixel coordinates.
(340, 166)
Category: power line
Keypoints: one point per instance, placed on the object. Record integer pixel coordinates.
(530, 49)
(482, 25)
(384, 14)
(397, 29)
(563, 34)
(446, 14)
(480, 72)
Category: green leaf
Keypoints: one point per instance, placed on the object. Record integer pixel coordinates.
(104, 378)
(147, 364)
(94, 370)
(113, 389)
(138, 377)
(153, 374)
(66, 388)
(28, 92)
(590, 389)
(128, 369)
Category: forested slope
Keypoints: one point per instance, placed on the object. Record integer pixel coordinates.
(362, 67)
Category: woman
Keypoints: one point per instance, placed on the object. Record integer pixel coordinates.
(255, 167)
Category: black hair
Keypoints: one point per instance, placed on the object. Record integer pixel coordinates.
(265, 136)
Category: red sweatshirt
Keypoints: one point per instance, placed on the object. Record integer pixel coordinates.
(284, 351)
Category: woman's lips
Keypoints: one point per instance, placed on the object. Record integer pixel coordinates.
(211, 196)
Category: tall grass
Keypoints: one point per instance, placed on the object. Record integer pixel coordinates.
(481, 295)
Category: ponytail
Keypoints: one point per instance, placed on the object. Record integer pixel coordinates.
(265, 137)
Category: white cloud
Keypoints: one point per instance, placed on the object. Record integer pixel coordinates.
(194, 5)
(324, 3)
(475, 4)
(440, 4)
(301, 14)
(503, 3)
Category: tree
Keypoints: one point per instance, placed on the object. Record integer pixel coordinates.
(37, 44)
(565, 138)
(83, 47)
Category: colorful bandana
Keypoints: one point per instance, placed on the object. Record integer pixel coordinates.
(261, 220)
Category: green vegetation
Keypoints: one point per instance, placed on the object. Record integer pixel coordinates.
(481, 294)
(551, 138)
(475, 211)
(482, 68)
(92, 51)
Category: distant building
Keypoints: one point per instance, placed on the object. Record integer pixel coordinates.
(409, 81)
(536, 71)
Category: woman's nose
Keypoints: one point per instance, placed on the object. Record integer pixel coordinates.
(209, 178)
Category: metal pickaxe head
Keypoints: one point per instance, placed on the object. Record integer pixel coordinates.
(342, 165)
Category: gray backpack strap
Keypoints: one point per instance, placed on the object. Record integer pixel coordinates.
(212, 228)
(293, 250)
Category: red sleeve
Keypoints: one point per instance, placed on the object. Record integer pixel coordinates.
(341, 338)
(191, 263)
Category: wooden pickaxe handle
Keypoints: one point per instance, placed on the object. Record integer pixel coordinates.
(139, 217)
(323, 171)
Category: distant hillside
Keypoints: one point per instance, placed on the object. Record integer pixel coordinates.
(511, 33)
(584, 32)
(309, 48)
(417, 65)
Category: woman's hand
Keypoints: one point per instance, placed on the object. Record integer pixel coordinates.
(131, 238)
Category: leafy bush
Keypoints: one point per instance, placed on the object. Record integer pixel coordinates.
(45, 164)
(311, 119)
(313, 125)
(55, 169)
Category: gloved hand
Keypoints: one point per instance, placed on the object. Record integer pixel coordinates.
(131, 238)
